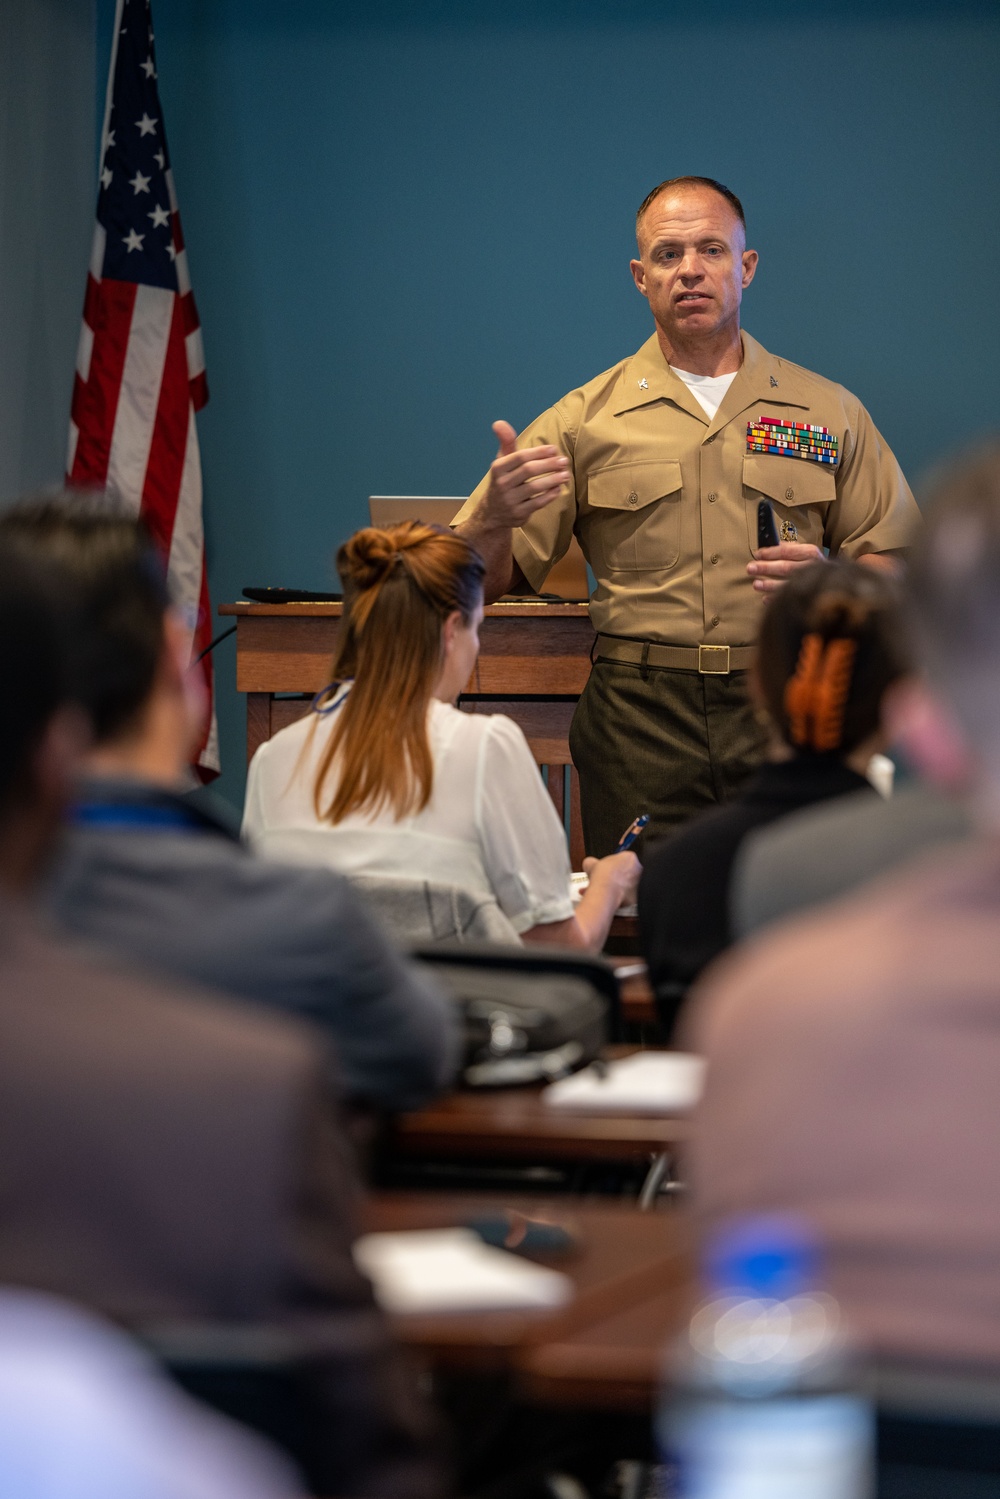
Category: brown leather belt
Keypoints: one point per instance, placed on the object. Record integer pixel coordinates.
(709, 660)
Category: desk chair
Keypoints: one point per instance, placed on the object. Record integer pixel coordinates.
(419, 912)
(562, 781)
(509, 1169)
(533, 959)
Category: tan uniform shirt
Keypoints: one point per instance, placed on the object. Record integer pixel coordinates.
(664, 501)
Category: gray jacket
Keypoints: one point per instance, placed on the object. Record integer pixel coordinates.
(157, 878)
(825, 851)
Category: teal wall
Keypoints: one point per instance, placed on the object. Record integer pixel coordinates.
(47, 181)
(406, 220)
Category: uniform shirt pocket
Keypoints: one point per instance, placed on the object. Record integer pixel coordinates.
(799, 490)
(634, 517)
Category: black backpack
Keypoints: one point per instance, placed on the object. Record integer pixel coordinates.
(529, 1014)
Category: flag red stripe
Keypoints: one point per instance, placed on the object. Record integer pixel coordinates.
(90, 301)
(199, 391)
(94, 413)
(165, 466)
(78, 404)
(191, 323)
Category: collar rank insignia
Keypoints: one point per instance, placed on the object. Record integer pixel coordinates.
(643, 383)
(773, 434)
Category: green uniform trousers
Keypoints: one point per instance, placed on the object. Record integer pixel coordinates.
(662, 741)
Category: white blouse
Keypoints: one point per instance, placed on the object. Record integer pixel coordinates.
(489, 827)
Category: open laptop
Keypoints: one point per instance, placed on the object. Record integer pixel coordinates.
(568, 579)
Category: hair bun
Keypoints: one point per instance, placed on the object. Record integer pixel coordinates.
(367, 557)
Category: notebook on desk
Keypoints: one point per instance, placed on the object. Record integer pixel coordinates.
(648, 1082)
(568, 578)
(452, 1270)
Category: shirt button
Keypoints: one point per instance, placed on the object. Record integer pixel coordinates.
(789, 494)
(632, 498)
(715, 619)
(715, 556)
(712, 498)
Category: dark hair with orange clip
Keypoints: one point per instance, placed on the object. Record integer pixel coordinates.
(831, 641)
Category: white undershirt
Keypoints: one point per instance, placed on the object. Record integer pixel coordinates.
(708, 390)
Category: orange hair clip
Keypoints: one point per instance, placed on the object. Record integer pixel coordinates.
(799, 688)
(830, 697)
(815, 696)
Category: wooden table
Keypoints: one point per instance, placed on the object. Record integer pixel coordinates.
(515, 1125)
(622, 1257)
(615, 1362)
(534, 661)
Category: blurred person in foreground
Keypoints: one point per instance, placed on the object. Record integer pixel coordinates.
(161, 880)
(168, 1156)
(853, 1055)
(85, 1414)
(825, 851)
(831, 643)
(386, 778)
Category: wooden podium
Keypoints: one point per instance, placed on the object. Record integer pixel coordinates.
(533, 664)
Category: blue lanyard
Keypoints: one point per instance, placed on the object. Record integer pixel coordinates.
(146, 819)
(314, 707)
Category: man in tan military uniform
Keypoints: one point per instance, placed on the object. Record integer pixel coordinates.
(659, 474)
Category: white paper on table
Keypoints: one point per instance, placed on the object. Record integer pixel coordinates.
(578, 882)
(452, 1270)
(648, 1082)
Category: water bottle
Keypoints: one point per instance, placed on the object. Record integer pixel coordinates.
(762, 1397)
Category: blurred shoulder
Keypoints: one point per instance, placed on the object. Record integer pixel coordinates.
(84, 994)
(907, 938)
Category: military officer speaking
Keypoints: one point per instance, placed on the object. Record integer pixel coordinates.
(658, 466)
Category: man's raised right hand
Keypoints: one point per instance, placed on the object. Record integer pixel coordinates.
(521, 481)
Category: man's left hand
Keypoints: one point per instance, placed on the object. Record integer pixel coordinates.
(775, 565)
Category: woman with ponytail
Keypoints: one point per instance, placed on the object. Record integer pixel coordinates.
(831, 643)
(386, 779)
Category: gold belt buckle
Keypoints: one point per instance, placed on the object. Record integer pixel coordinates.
(713, 660)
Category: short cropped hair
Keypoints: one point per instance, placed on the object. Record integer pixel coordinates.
(114, 581)
(35, 669)
(953, 585)
(717, 187)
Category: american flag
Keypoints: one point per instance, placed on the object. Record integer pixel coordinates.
(140, 370)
